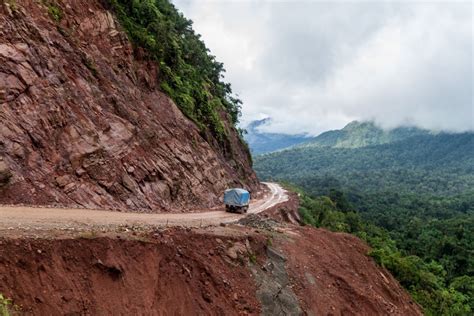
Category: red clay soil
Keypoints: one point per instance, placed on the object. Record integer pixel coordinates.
(332, 275)
(189, 272)
(175, 273)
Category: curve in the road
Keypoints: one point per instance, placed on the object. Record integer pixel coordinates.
(19, 217)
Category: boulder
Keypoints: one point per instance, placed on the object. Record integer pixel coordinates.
(129, 183)
(64, 180)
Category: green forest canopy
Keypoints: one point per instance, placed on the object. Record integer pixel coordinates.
(423, 272)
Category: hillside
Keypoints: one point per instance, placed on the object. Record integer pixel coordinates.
(262, 142)
(444, 161)
(353, 135)
(91, 119)
(415, 195)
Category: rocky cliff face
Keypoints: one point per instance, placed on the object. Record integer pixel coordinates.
(83, 122)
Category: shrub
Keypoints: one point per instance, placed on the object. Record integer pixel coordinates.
(55, 12)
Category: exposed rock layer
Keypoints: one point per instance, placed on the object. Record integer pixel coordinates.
(83, 122)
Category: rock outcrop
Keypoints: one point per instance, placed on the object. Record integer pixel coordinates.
(5, 173)
(83, 122)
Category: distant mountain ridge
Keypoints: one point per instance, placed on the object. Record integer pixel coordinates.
(434, 164)
(262, 142)
(354, 135)
(361, 134)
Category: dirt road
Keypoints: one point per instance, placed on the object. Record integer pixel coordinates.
(30, 218)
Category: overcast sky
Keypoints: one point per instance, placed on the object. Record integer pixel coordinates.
(313, 65)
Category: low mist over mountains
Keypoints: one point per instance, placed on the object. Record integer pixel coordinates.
(363, 155)
(261, 142)
(432, 164)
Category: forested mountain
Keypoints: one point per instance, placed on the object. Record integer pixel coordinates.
(439, 164)
(359, 134)
(261, 142)
(420, 189)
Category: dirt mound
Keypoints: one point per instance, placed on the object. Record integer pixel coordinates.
(85, 124)
(332, 275)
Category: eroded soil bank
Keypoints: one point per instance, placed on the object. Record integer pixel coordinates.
(332, 275)
(174, 272)
(261, 266)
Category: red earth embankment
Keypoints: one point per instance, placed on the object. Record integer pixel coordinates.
(175, 272)
(228, 270)
(332, 275)
(264, 264)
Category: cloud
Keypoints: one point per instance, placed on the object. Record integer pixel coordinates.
(314, 66)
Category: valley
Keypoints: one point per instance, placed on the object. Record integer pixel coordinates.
(408, 192)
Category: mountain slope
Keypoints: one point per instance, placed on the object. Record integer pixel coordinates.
(360, 134)
(353, 135)
(85, 123)
(261, 142)
(445, 162)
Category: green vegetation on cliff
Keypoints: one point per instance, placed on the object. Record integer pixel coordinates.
(189, 74)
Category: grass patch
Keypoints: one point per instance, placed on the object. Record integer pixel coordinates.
(11, 4)
(253, 258)
(7, 308)
(54, 11)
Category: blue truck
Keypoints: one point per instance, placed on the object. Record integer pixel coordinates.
(236, 200)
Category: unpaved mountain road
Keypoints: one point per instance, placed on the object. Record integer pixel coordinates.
(31, 218)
